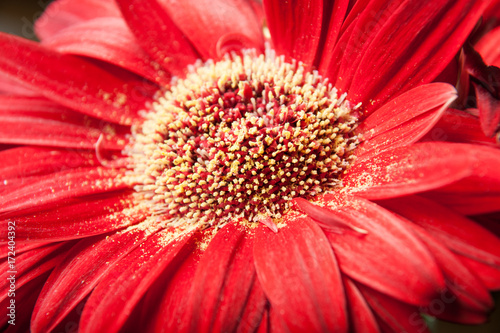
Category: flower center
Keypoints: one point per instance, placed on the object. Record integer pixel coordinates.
(240, 138)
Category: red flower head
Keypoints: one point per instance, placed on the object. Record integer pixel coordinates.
(228, 165)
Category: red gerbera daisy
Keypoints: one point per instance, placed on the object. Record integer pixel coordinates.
(166, 170)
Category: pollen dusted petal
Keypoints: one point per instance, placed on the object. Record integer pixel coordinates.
(108, 39)
(87, 261)
(299, 40)
(412, 47)
(72, 82)
(222, 282)
(52, 188)
(79, 218)
(114, 298)
(463, 236)
(405, 119)
(407, 170)
(158, 35)
(409, 272)
(38, 121)
(299, 274)
(216, 27)
(62, 14)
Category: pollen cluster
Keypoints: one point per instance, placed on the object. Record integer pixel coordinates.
(240, 138)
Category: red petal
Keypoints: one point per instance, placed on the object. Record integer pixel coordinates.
(29, 265)
(114, 298)
(37, 121)
(389, 258)
(25, 299)
(467, 204)
(87, 262)
(254, 315)
(18, 162)
(108, 39)
(52, 188)
(78, 218)
(172, 307)
(216, 27)
(299, 40)
(463, 236)
(412, 47)
(20, 247)
(158, 35)
(222, 282)
(406, 170)
(62, 14)
(71, 81)
(299, 274)
(397, 316)
(488, 47)
(335, 14)
(362, 318)
(459, 126)
(489, 275)
(464, 285)
(407, 118)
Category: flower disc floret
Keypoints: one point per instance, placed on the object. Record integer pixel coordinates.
(240, 138)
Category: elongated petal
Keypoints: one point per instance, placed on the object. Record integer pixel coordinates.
(158, 35)
(299, 274)
(254, 314)
(469, 290)
(334, 13)
(222, 282)
(463, 236)
(412, 47)
(300, 40)
(114, 298)
(216, 27)
(88, 261)
(62, 14)
(362, 317)
(29, 265)
(108, 39)
(388, 258)
(173, 304)
(459, 126)
(487, 46)
(406, 170)
(407, 118)
(489, 275)
(18, 162)
(395, 316)
(50, 189)
(38, 121)
(78, 218)
(71, 81)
